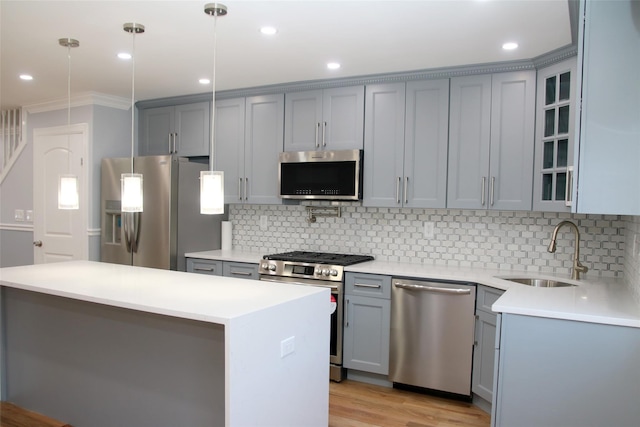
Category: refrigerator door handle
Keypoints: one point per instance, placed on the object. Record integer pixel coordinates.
(126, 220)
(135, 237)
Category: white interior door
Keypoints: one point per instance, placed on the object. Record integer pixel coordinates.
(59, 235)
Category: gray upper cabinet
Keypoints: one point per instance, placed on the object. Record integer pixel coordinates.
(406, 136)
(609, 154)
(491, 141)
(249, 133)
(329, 119)
(180, 129)
(229, 147)
(555, 123)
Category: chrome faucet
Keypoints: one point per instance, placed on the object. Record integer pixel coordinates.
(577, 267)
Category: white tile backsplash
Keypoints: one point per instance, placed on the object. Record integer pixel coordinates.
(465, 238)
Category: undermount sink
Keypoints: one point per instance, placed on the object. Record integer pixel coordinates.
(539, 283)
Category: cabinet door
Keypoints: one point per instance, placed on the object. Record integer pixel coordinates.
(242, 270)
(228, 153)
(426, 144)
(264, 133)
(343, 118)
(303, 121)
(384, 145)
(609, 152)
(484, 355)
(469, 138)
(193, 129)
(366, 334)
(156, 131)
(556, 102)
(512, 140)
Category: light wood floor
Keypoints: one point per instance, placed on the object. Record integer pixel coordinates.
(355, 404)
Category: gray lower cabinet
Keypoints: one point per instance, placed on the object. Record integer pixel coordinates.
(249, 137)
(491, 141)
(406, 136)
(484, 345)
(178, 129)
(204, 266)
(329, 119)
(554, 372)
(243, 270)
(367, 322)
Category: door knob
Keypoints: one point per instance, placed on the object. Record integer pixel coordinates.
(37, 243)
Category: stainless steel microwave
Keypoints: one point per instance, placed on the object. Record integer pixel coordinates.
(320, 175)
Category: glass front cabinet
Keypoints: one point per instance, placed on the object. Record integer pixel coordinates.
(555, 122)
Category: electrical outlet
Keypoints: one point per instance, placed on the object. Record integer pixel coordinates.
(19, 215)
(287, 346)
(263, 222)
(428, 230)
(28, 216)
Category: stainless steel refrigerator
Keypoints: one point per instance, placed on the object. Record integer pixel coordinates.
(170, 224)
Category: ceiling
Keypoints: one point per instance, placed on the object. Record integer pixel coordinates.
(366, 37)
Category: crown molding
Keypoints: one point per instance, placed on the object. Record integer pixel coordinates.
(79, 100)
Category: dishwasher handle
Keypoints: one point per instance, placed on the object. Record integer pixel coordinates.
(412, 287)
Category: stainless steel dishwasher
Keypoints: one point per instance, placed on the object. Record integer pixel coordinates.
(432, 333)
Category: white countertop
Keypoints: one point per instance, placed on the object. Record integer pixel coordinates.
(213, 299)
(594, 299)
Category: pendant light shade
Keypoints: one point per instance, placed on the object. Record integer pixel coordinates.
(132, 197)
(131, 183)
(68, 192)
(211, 192)
(212, 182)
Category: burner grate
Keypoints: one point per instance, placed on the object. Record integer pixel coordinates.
(319, 258)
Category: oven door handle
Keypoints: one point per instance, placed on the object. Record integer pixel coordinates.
(289, 282)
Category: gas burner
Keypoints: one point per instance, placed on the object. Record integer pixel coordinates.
(319, 258)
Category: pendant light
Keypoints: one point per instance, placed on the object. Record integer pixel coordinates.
(132, 194)
(68, 197)
(212, 182)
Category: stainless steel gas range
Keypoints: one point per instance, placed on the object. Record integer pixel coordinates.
(316, 269)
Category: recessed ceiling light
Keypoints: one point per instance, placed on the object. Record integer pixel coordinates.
(124, 55)
(269, 31)
(333, 65)
(26, 77)
(510, 46)
(204, 81)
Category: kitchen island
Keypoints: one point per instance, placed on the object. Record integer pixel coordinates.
(101, 344)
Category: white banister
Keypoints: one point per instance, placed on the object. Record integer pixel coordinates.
(10, 138)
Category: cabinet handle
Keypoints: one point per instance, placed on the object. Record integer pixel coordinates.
(568, 191)
(324, 134)
(346, 314)
(203, 269)
(317, 134)
(246, 185)
(171, 143)
(484, 185)
(366, 285)
(240, 273)
(493, 186)
(239, 188)
(398, 190)
(406, 185)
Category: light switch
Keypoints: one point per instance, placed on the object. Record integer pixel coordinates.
(29, 216)
(19, 215)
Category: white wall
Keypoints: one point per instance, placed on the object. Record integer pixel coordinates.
(632, 254)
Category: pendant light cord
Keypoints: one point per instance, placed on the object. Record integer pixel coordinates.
(133, 89)
(69, 106)
(213, 90)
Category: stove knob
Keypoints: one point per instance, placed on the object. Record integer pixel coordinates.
(272, 267)
(334, 272)
(318, 271)
(325, 272)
